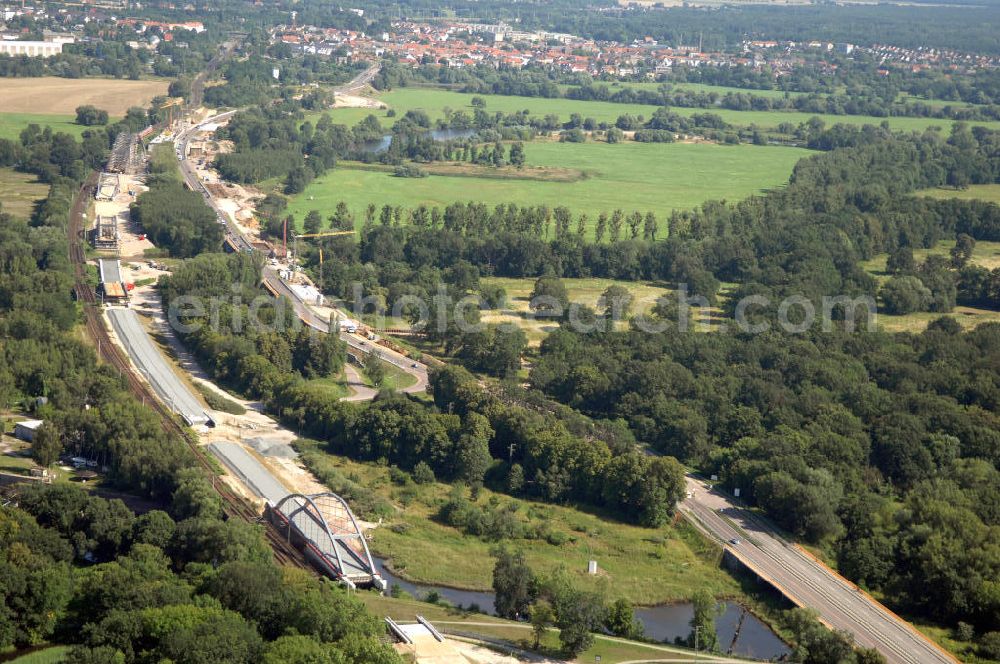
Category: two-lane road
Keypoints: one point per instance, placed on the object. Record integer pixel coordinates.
(806, 581)
(356, 342)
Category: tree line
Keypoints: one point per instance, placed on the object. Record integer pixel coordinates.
(251, 347)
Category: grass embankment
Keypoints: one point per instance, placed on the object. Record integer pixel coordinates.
(218, 402)
(51, 655)
(333, 386)
(986, 254)
(20, 191)
(644, 565)
(657, 177)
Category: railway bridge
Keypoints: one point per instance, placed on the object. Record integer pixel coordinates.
(320, 525)
(324, 529)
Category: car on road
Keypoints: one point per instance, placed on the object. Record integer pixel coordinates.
(735, 541)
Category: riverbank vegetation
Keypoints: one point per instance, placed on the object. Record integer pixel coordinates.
(434, 535)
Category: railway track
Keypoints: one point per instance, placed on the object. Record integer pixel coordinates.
(234, 505)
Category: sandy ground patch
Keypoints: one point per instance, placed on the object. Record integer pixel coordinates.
(356, 101)
(129, 233)
(61, 96)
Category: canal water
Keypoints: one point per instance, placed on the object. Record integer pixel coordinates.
(661, 623)
(436, 134)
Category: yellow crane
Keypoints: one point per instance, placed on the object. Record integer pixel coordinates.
(295, 241)
(169, 104)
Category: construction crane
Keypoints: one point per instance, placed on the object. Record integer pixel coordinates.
(295, 244)
(169, 105)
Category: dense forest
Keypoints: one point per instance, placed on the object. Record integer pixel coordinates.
(866, 443)
(177, 218)
(240, 334)
(184, 585)
(566, 459)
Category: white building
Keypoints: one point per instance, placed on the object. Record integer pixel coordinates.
(26, 430)
(31, 48)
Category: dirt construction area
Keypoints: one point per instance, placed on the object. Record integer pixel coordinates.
(61, 96)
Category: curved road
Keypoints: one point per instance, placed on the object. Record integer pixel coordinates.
(806, 581)
(235, 237)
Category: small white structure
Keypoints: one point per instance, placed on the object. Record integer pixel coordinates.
(592, 567)
(31, 48)
(26, 430)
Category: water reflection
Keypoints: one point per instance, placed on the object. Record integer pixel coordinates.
(437, 134)
(661, 623)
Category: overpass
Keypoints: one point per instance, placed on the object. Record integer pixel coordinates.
(805, 580)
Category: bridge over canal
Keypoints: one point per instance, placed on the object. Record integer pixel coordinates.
(321, 525)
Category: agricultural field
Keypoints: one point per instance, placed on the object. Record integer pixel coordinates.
(433, 102)
(986, 254)
(22, 97)
(586, 177)
(61, 96)
(19, 192)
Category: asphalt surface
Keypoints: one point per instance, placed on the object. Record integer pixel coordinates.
(111, 271)
(250, 471)
(260, 480)
(806, 581)
(154, 368)
(356, 342)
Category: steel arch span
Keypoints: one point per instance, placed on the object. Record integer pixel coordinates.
(329, 534)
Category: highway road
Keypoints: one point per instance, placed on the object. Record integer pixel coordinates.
(806, 581)
(235, 236)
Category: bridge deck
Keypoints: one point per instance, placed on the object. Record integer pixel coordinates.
(260, 480)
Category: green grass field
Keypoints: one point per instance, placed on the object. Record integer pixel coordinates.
(20, 191)
(644, 565)
(986, 254)
(582, 291)
(11, 124)
(433, 101)
(657, 177)
(982, 192)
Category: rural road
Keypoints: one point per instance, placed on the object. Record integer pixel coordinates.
(805, 580)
